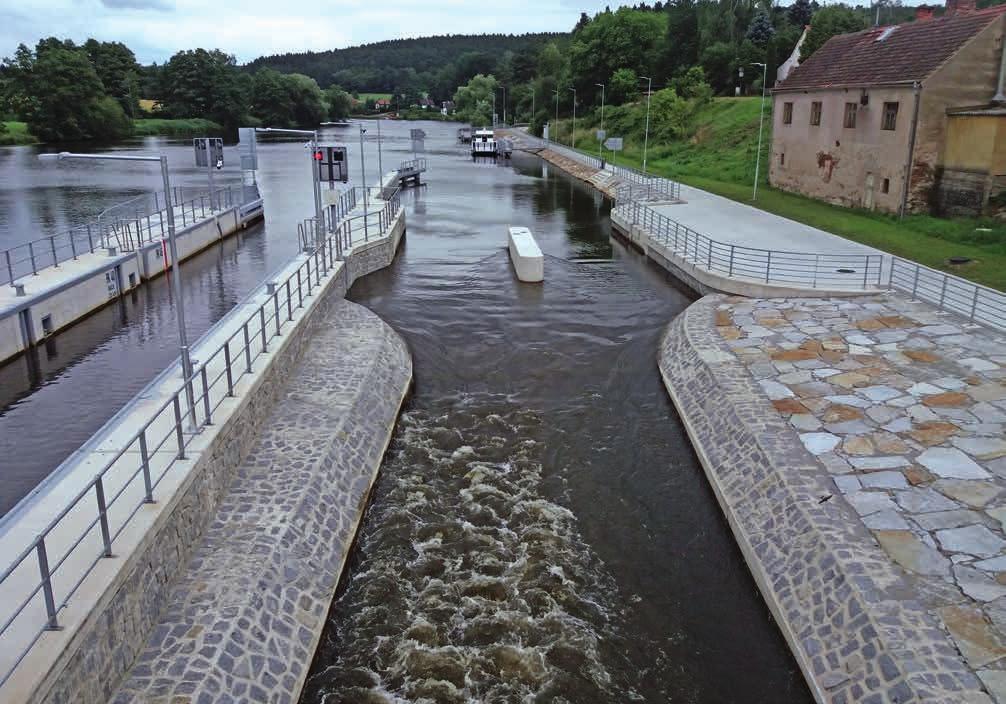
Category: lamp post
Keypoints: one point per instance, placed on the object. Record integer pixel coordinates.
(761, 122)
(503, 88)
(494, 108)
(646, 135)
(572, 133)
(556, 137)
(380, 166)
(363, 178)
(313, 134)
(176, 274)
(600, 145)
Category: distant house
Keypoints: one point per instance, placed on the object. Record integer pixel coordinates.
(447, 107)
(382, 104)
(905, 118)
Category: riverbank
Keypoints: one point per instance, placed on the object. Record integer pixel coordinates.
(719, 157)
(14, 133)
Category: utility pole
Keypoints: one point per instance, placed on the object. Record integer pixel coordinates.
(761, 122)
(380, 166)
(363, 178)
(600, 142)
(646, 136)
(572, 134)
(556, 137)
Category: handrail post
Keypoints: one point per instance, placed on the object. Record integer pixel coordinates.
(261, 316)
(145, 464)
(31, 255)
(275, 305)
(943, 290)
(817, 264)
(206, 396)
(73, 246)
(106, 537)
(300, 291)
(768, 266)
(227, 366)
(731, 273)
(974, 303)
(90, 241)
(915, 284)
(179, 436)
(52, 246)
(248, 366)
(866, 270)
(10, 269)
(52, 624)
(289, 302)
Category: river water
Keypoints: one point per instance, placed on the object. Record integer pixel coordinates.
(540, 530)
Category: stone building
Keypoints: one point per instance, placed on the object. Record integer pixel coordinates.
(904, 118)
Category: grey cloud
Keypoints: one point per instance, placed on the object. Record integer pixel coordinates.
(159, 5)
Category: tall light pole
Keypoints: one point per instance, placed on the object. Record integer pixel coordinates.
(363, 175)
(646, 136)
(380, 166)
(761, 121)
(313, 134)
(176, 274)
(494, 107)
(600, 145)
(556, 137)
(572, 134)
(503, 88)
(532, 104)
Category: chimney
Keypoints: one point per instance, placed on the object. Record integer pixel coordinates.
(923, 13)
(960, 7)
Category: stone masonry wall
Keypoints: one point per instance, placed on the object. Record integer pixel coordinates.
(116, 631)
(845, 610)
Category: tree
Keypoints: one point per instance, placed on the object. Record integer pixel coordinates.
(339, 102)
(682, 41)
(761, 31)
(116, 66)
(61, 97)
(623, 86)
(473, 102)
(829, 22)
(799, 13)
(718, 61)
(201, 83)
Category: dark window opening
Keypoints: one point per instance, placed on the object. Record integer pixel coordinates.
(850, 115)
(787, 113)
(890, 116)
(815, 113)
(886, 186)
(782, 159)
(47, 325)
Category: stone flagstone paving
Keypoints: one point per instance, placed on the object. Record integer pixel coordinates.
(905, 406)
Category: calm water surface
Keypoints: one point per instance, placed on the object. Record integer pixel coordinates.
(541, 530)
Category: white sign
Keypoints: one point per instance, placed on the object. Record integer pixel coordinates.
(613, 143)
(601, 134)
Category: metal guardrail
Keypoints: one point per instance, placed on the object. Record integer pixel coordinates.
(827, 271)
(412, 166)
(979, 304)
(107, 504)
(125, 226)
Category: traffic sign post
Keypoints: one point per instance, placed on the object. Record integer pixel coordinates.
(210, 155)
(613, 143)
(332, 164)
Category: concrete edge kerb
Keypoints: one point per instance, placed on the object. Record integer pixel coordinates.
(715, 395)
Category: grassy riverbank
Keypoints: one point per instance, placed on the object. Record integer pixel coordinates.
(189, 127)
(719, 157)
(15, 133)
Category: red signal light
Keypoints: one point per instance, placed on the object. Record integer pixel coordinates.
(317, 156)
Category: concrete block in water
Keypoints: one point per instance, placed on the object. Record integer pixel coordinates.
(526, 256)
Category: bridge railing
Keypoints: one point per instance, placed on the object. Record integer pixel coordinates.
(784, 268)
(125, 226)
(979, 304)
(411, 165)
(40, 582)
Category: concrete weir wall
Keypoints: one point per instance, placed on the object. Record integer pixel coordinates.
(76, 288)
(221, 592)
(839, 601)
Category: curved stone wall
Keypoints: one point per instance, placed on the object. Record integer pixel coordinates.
(846, 611)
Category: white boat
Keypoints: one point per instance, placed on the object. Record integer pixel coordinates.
(484, 144)
(528, 262)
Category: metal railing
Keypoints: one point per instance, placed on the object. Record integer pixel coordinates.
(412, 165)
(37, 585)
(125, 226)
(979, 304)
(828, 271)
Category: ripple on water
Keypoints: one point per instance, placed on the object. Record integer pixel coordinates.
(468, 585)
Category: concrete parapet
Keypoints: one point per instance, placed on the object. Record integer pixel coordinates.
(847, 613)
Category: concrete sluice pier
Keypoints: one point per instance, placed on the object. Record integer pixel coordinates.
(218, 589)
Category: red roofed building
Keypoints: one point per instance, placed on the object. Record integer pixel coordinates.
(905, 118)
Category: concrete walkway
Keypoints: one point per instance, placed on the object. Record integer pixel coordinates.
(242, 623)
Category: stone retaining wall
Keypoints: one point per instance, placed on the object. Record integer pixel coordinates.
(116, 630)
(845, 610)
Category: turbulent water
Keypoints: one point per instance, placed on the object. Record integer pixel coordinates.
(475, 587)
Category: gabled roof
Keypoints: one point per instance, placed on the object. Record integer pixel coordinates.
(900, 53)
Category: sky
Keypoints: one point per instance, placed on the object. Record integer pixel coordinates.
(156, 29)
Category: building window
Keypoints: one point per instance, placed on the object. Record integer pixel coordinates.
(787, 113)
(815, 113)
(782, 159)
(886, 187)
(850, 114)
(890, 116)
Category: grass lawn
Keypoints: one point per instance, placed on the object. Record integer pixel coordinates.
(720, 158)
(190, 127)
(16, 133)
(364, 97)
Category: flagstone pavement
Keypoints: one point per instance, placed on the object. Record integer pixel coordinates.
(905, 406)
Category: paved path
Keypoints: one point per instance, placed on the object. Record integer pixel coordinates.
(731, 222)
(905, 408)
(243, 622)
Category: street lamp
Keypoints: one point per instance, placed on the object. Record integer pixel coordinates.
(313, 134)
(572, 134)
(556, 138)
(503, 88)
(380, 165)
(363, 178)
(176, 274)
(600, 145)
(761, 121)
(646, 135)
